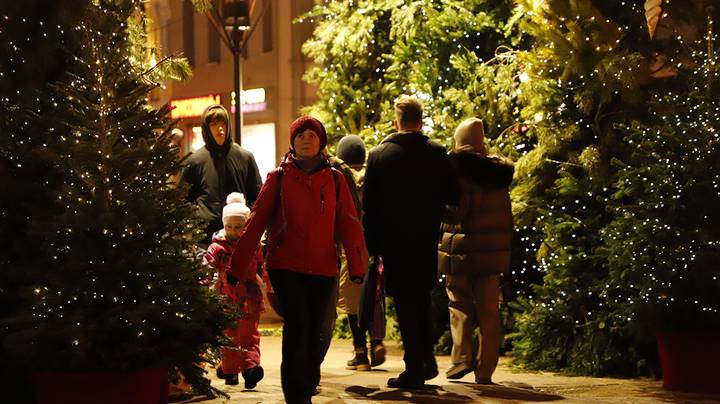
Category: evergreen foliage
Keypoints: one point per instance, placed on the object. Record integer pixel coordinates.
(613, 134)
(589, 316)
(98, 269)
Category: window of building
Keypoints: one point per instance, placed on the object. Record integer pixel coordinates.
(267, 28)
(188, 14)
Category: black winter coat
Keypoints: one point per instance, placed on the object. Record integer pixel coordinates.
(215, 171)
(211, 180)
(408, 182)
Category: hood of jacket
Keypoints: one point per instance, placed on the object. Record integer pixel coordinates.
(215, 149)
(486, 171)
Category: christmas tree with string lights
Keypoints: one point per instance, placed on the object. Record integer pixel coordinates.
(351, 48)
(663, 244)
(98, 271)
(603, 177)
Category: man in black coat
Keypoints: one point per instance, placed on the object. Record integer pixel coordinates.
(408, 182)
(218, 169)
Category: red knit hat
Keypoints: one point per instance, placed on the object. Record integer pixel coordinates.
(308, 122)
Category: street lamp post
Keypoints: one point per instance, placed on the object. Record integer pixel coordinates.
(236, 20)
(231, 27)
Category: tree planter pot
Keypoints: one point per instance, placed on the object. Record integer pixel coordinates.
(144, 386)
(689, 360)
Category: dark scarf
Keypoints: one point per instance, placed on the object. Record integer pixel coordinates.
(310, 165)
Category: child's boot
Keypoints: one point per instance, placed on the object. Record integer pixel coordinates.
(360, 360)
(252, 376)
(231, 379)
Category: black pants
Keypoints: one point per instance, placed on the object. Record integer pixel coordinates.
(328, 325)
(304, 299)
(413, 307)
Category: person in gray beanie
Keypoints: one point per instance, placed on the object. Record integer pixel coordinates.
(351, 150)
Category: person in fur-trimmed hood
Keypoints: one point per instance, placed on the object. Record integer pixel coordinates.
(475, 249)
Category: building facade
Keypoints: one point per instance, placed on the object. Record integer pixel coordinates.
(272, 70)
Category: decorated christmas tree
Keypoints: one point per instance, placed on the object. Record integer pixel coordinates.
(662, 244)
(99, 271)
(609, 85)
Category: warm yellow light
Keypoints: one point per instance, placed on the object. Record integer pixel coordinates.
(251, 96)
(192, 107)
(537, 4)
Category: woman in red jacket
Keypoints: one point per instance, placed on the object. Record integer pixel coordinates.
(306, 204)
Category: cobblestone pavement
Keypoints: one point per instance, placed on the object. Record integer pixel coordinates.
(339, 385)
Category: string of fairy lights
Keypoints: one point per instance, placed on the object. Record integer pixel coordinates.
(112, 158)
(614, 72)
(543, 67)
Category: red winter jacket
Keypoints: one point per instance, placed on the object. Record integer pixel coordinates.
(219, 255)
(302, 235)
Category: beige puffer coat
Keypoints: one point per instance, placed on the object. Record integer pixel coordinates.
(476, 236)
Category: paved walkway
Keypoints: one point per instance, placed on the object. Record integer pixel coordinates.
(346, 386)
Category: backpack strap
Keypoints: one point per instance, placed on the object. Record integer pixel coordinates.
(277, 205)
(278, 188)
(336, 179)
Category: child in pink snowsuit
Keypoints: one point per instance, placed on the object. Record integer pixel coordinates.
(241, 288)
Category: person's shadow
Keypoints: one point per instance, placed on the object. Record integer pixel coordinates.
(448, 394)
(427, 395)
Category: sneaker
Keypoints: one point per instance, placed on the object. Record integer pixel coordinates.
(377, 356)
(231, 379)
(403, 381)
(252, 376)
(458, 370)
(359, 361)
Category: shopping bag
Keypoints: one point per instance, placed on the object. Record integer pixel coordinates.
(368, 295)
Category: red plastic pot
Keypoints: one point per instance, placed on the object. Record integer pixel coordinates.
(145, 386)
(689, 360)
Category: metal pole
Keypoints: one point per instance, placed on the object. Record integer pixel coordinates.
(238, 111)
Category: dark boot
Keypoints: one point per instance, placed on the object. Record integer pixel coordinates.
(252, 376)
(231, 379)
(406, 381)
(377, 354)
(360, 360)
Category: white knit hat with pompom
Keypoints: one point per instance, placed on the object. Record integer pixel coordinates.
(235, 206)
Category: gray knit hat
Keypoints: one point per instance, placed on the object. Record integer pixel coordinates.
(351, 150)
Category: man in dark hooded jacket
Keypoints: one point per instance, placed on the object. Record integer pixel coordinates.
(408, 182)
(218, 169)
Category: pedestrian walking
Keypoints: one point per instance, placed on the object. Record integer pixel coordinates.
(306, 203)
(328, 326)
(475, 250)
(217, 169)
(408, 182)
(242, 288)
(351, 150)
